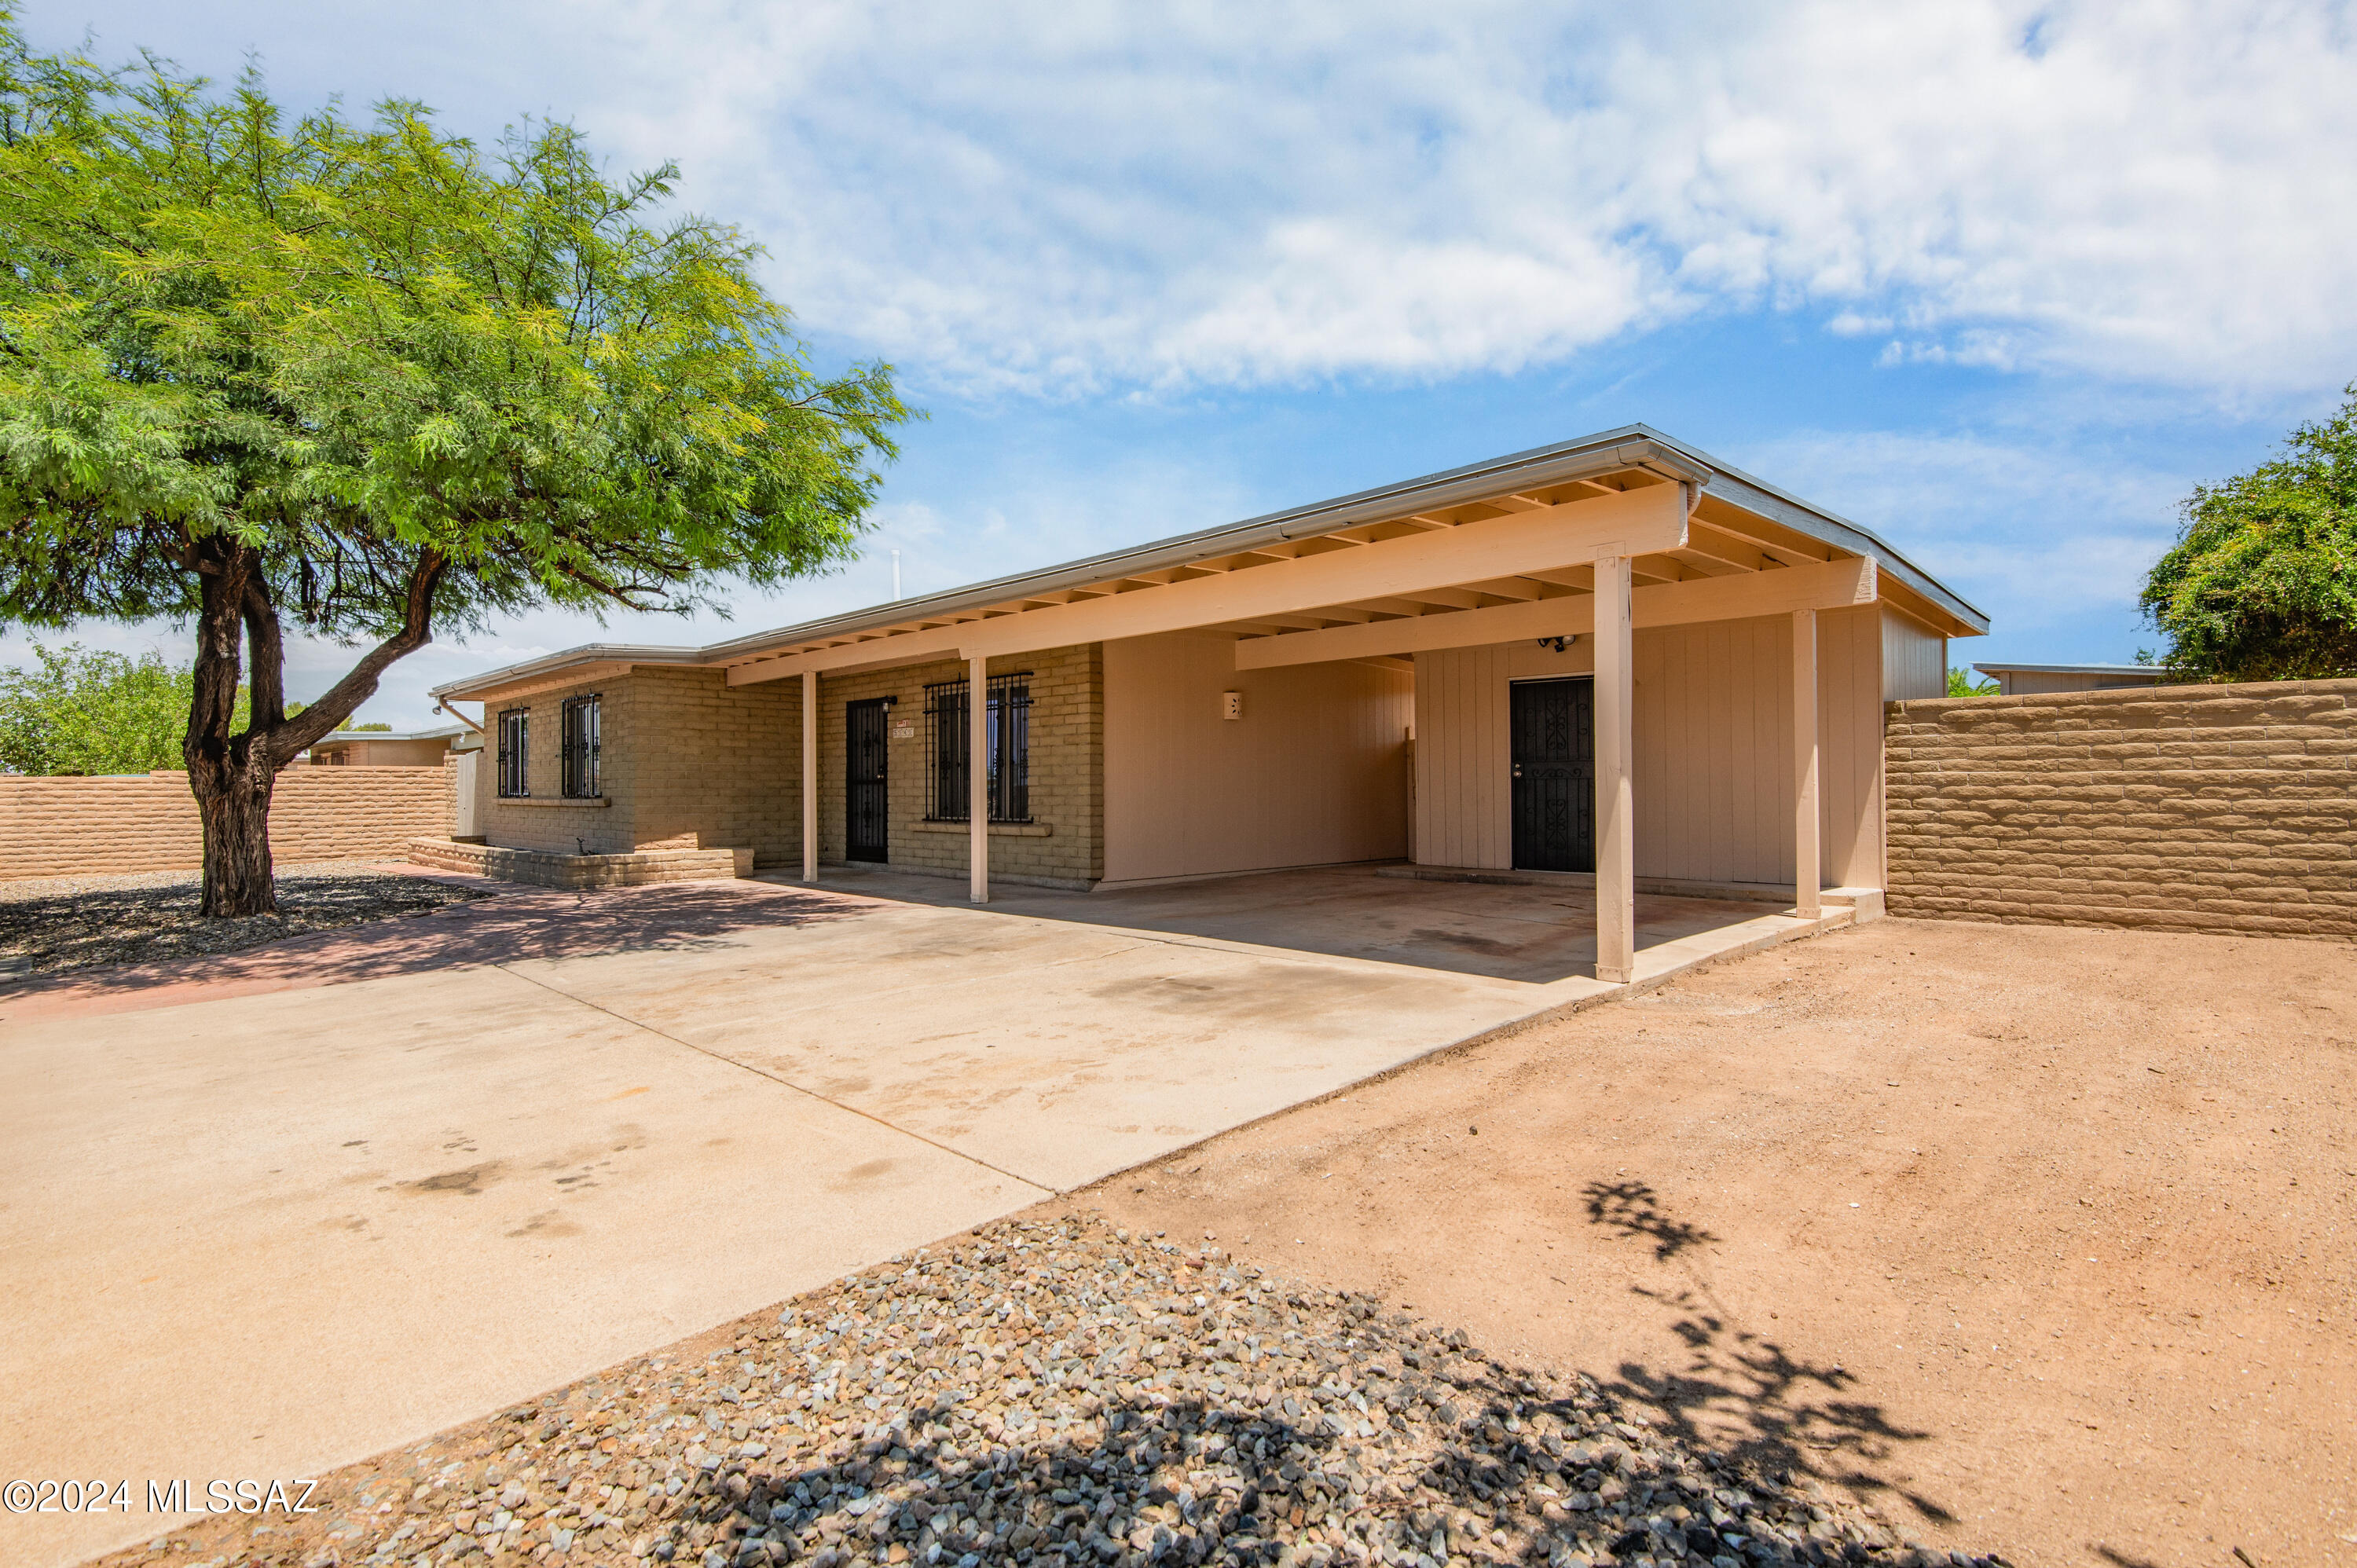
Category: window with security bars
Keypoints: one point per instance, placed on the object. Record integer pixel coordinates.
(1008, 719)
(579, 750)
(515, 742)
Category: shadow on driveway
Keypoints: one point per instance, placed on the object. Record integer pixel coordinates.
(667, 917)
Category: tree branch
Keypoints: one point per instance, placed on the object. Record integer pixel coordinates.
(315, 723)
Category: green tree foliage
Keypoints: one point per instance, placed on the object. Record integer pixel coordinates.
(376, 380)
(86, 711)
(1962, 685)
(2262, 582)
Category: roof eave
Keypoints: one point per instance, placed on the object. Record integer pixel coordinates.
(570, 658)
(1629, 446)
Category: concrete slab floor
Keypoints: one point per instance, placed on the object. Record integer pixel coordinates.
(278, 1212)
(1538, 935)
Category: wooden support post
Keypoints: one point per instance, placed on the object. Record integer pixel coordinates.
(810, 776)
(977, 774)
(1615, 879)
(1806, 901)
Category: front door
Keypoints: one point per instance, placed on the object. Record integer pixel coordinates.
(864, 810)
(1553, 725)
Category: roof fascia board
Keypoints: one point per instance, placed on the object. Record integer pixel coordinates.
(1617, 450)
(1765, 501)
(1629, 446)
(1648, 519)
(1999, 667)
(549, 663)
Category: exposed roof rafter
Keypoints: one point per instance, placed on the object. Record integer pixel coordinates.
(1741, 525)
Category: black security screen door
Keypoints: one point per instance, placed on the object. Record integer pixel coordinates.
(1554, 746)
(865, 808)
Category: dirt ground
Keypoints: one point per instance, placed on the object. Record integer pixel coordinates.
(2044, 1239)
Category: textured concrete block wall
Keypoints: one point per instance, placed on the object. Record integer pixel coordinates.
(2226, 808)
(1067, 777)
(87, 827)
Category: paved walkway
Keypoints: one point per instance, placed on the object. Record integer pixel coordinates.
(313, 1201)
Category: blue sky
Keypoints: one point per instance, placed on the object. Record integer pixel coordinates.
(2001, 282)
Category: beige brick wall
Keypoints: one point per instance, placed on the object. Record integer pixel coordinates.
(715, 766)
(2229, 809)
(685, 761)
(1067, 769)
(84, 827)
(545, 820)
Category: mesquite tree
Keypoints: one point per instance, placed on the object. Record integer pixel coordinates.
(263, 373)
(2262, 582)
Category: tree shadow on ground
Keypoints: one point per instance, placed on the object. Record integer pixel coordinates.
(1307, 1498)
(2122, 1559)
(64, 933)
(1634, 1208)
(1773, 1410)
(513, 926)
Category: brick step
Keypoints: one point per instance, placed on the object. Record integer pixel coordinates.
(541, 869)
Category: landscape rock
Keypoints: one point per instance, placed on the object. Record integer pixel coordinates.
(1050, 1393)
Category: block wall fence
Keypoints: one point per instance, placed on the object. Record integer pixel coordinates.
(2224, 808)
(93, 827)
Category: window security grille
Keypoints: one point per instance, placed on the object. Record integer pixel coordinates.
(515, 744)
(1008, 719)
(580, 748)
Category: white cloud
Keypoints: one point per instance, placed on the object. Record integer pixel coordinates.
(2150, 199)
(1083, 197)
(1072, 198)
(2024, 520)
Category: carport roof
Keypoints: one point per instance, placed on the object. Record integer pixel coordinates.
(1632, 455)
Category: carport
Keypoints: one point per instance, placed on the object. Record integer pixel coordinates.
(1532, 939)
(1616, 667)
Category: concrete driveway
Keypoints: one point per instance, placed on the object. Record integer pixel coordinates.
(317, 1200)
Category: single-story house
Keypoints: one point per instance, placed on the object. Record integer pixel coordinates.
(389, 748)
(1615, 659)
(2040, 680)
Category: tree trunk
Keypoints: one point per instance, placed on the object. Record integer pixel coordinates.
(234, 804)
(232, 776)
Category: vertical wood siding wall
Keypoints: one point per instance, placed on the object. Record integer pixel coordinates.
(1714, 748)
(1714, 761)
(1314, 774)
(1914, 660)
(1463, 793)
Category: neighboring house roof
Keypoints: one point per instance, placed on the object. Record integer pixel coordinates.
(443, 732)
(1634, 455)
(2151, 672)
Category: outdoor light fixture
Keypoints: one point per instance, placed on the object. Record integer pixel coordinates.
(1557, 643)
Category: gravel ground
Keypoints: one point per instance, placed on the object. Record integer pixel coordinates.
(1060, 1393)
(56, 925)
